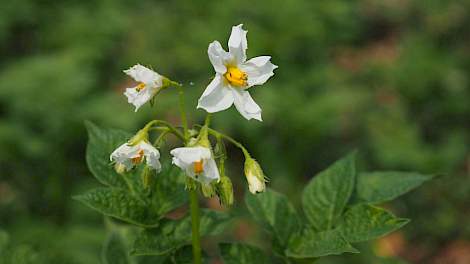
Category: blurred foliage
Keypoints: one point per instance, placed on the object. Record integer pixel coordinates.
(390, 78)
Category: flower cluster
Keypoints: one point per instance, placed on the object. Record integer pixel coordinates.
(202, 163)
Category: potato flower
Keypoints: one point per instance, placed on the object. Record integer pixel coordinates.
(149, 82)
(130, 155)
(197, 162)
(234, 75)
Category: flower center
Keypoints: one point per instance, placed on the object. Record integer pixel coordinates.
(138, 159)
(198, 167)
(140, 86)
(236, 77)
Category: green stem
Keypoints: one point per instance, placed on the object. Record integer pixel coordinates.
(231, 140)
(173, 130)
(196, 239)
(193, 196)
(184, 120)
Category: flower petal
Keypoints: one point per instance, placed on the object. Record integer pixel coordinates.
(145, 75)
(259, 70)
(218, 57)
(216, 97)
(188, 155)
(152, 155)
(211, 172)
(123, 155)
(237, 43)
(139, 98)
(246, 105)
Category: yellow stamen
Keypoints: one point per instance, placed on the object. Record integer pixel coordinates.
(198, 167)
(236, 77)
(140, 86)
(139, 158)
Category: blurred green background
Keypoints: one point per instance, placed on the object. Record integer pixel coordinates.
(389, 78)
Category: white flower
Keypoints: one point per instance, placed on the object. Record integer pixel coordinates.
(148, 84)
(130, 155)
(197, 162)
(234, 75)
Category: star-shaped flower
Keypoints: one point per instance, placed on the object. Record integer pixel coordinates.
(234, 75)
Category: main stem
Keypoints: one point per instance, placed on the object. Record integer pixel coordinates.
(193, 197)
(194, 206)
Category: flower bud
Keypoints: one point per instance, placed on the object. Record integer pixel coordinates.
(224, 189)
(255, 176)
(119, 168)
(208, 190)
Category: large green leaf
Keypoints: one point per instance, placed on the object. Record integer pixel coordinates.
(101, 143)
(311, 244)
(274, 211)
(378, 187)
(365, 222)
(327, 194)
(115, 250)
(121, 204)
(173, 234)
(168, 191)
(237, 253)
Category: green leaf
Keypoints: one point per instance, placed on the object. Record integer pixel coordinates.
(173, 234)
(101, 143)
(184, 255)
(327, 194)
(274, 211)
(310, 244)
(237, 253)
(365, 222)
(168, 192)
(378, 187)
(121, 204)
(4, 240)
(115, 250)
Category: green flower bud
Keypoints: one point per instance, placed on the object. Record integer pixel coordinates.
(224, 189)
(255, 176)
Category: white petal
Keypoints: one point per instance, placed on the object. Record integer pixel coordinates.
(139, 98)
(216, 97)
(211, 172)
(259, 70)
(246, 105)
(152, 155)
(145, 75)
(188, 155)
(218, 57)
(237, 43)
(123, 155)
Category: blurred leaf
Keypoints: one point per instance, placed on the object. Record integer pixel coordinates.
(121, 204)
(378, 187)
(184, 255)
(275, 213)
(173, 234)
(237, 253)
(115, 250)
(101, 143)
(4, 239)
(328, 192)
(364, 222)
(310, 244)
